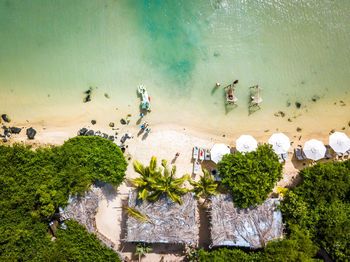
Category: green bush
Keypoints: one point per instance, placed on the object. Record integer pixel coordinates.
(227, 255)
(250, 177)
(321, 204)
(33, 184)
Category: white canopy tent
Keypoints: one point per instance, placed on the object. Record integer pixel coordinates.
(340, 142)
(314, 149)
(280, 143)
(218, 151)
(246, 143)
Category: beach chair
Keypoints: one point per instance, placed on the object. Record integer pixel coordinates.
(195, 167)
(280, 158)
(195, 153)
(299, 154)
(216, 175)
(201, 154)
(328, 154)
(285, 157)
(207, 154)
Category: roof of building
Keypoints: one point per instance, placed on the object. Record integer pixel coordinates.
(171, 222)
(248, 227)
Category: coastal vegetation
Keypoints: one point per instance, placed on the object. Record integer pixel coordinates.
(155, 182)
(34, 183)
(205, 187)
(250, 177)
(321, 204)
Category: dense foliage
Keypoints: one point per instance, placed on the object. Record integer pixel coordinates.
(297, 247)
(250, 177)
(321, 204)
(205, 187)
(155, 182)
(76, 244)
(33, 184)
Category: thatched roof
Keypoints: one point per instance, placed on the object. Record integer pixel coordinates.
(171, 222)
(84, 208)
(249, 227)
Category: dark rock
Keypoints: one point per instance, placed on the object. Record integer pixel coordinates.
(88, 92)
(216, 54)
(280, 113)
(90, 133)
(297, 104)
(4, 140)
(122, 148)
(299, 129)
(332, 131)
(315, 98)
(223, 135)
(123, 121)
(343, 128)
(349, 123)
(106, 96)
(111, 124)
(98, 133)
(104, 135)
(31, 132)
(82, 132)
(15, 130)
(8, 135)
(93, 122)
(111, 138)
(267, 130)
(289, 120)
(6, 118)
(87, 99)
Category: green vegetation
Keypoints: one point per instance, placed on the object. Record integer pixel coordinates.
(205, 187)
(298, 247)
(76, 244)
(153, 182)
(142, 249)
(250, 177)
(136, 214)
(321, 204)
(33, 184)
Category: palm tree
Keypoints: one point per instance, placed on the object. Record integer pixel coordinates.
(136, 214)
(147, 179)
(142, 249)
(205, 187)
(153, 183)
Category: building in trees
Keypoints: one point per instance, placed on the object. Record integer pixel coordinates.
(249, 227)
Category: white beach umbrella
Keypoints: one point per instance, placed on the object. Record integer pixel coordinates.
(246, 143)
(314, 149)
(339, 142)
(218, 151)
(280, 143)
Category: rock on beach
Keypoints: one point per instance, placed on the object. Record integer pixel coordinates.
(6, 118)
(31, 132)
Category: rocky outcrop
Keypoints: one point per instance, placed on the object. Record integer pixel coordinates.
(31, 132)
(82, 131)
(15, 130)
(6, 118)
(90, 133)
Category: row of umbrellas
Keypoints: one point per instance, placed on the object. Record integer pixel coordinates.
(313, 149)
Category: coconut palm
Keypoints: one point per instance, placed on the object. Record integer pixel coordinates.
(136, 214)
(147, 179)
(205, 187)
(142, 249)
(153, 182)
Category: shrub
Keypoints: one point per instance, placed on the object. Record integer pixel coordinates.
(250, 177)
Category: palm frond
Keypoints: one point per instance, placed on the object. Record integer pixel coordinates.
(138, 167)
(136, 214)
(153, 163)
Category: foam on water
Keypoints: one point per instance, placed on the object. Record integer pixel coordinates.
(52, 51)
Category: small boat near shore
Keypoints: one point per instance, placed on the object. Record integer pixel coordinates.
(145, 103)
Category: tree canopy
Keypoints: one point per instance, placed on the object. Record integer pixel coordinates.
(321, 204)
(250, 177)
(34, 183)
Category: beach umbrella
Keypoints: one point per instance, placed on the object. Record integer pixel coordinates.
(246, 143)
(339, 142)
(314, 149)
(280, 143)
(218, 151)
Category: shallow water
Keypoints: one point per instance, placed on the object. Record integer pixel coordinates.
(50, 52)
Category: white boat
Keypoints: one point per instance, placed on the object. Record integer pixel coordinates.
(201, 154)
(145, 103)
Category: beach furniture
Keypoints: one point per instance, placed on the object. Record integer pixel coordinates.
(145, 103)
(218, 151)
(246, 143)
(285, 157)
(280, 143)
(328, 154)
(339, 142)
(195, 153)
(216, 175)
(207, 154)
(230, 94)
(195, 167)
(201, 154)
(299, 154)
(280, 158)
(314, 149)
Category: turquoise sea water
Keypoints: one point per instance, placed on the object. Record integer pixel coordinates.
(51, 51)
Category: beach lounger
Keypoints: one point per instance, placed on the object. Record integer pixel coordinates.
(285, 157)
(280, 158)
(299, 154)
(207, 154)
(216, 175)
(328, 154)
(195, 167)
(195, 153)
(201, 154)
